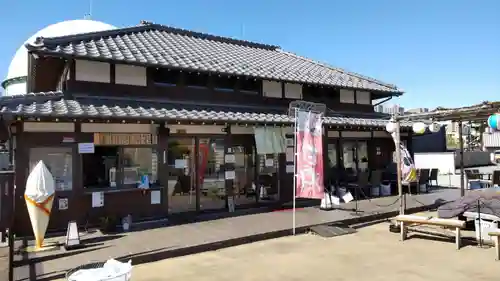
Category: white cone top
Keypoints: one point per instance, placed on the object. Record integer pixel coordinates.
(40, 184)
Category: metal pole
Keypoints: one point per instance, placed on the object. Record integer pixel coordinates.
(461, 142)
(295, 130)
(397, 141)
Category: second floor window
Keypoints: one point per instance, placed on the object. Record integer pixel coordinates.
(224, 83)
(197, 80)
(166, 77)
(250, 85)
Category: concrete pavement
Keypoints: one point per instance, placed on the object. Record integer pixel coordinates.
(371, 254)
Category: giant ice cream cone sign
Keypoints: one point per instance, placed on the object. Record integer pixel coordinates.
(39, 196)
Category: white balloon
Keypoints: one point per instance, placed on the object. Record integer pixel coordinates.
(434, 127)
(419, 128)
(390, 127)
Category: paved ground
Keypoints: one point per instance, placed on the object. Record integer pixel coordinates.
(4, 263)
(166, 242)
(371, 254)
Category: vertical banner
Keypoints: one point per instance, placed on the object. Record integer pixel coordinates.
(408, 170)
(309, 162)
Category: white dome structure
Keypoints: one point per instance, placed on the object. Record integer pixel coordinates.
(15, 82)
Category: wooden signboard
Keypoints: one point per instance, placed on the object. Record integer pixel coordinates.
(124, 139)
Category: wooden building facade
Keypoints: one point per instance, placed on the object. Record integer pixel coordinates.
(152, 122)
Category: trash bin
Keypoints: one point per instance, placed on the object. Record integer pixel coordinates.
(125, 276)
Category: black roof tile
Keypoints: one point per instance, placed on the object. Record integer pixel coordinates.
(53, 104)
(163, 46)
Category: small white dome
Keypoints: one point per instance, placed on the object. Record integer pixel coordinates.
(19, 65)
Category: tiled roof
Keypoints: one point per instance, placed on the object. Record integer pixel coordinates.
(53, 104)
(162, 46)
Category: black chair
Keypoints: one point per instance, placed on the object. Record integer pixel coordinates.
(264, 181)
(434, 177)
(424, 178)
(361, 188)
(470, 176)
(495, 180)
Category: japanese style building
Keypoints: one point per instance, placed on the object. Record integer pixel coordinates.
(155, 121)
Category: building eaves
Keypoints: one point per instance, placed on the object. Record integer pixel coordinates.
(53, 104)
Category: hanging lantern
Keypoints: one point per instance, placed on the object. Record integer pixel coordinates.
(419, 128)
(465, 129)
(390, 127)
(434, 127)
(493, 121)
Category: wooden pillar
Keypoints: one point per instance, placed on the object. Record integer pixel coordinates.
(288, 170)
(462, 174)
(77, 163)
(76, 196)
(163, 168)
(21, 167)
(229, 172)
(326, 170)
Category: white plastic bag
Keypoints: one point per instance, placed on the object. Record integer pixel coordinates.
(112, 270)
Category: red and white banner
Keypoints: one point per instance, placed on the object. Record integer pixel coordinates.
(309, 162)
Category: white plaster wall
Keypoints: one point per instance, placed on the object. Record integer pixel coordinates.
(196, 129)
(293, 91)
(349, 134)
(333, 134)
(346, 96)
(130, 75)
(271, 89)
(363, 97)
(381, 134)
(38, 127)
(242, 130)
(92, 71)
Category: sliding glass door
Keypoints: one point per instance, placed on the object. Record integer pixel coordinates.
(355, 156)
(181, 160)
(211, 173)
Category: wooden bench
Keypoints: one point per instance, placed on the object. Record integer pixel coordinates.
(495, 235)
(405, 220)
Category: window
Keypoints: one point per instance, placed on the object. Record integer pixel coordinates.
(120, 167)
(59, 162)
(250, 85)
(140, 166)
(348, 149)
(199, 80)
(99, 168)
(312, 92)
(224, 83)
(332, 155)
(166, 77)
(362, 155)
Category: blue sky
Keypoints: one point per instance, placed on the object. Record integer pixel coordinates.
(441, 52)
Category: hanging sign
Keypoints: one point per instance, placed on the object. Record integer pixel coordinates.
(86, 147)
(124, 139)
